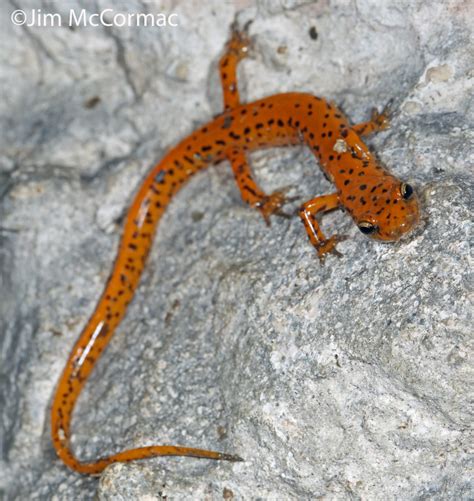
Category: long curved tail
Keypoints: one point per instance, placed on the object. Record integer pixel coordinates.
(143, 216)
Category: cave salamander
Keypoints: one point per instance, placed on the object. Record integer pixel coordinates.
(382, 206)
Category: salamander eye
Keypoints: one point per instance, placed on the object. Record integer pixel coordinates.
(367, 228)
(406, 190)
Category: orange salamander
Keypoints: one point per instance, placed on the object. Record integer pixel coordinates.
(381, 206)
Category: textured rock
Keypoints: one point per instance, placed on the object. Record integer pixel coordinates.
(347, 380)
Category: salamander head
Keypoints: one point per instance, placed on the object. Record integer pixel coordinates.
(387, 210)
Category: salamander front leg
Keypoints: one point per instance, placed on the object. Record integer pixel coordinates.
(308, 213)
(250, 191)
(378, 121)
(237, 48)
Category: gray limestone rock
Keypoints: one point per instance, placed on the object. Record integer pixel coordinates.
(344, 381)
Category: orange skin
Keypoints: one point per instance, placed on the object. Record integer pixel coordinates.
(376, 200)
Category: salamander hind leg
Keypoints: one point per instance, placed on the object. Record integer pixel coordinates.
(237, 48)
(308, 212)
(251, 193)
(378, 121)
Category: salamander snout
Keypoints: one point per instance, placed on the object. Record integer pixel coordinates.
(395, 212)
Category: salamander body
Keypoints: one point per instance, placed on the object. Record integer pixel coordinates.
(381, 205)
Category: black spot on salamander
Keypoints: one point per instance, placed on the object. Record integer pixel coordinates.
(362, 187)
(324, 124)
(323, 134)
(233, 135)
(346, 182)
(363, 201)
(206, 148)
(189, 160)
(221, 142)
(250, 190)
(149, 217)
(259, 126)
(344, 133)
(280, 123)
(361, 173)
(105, 329)
(331, 157)
(160, 177)
(329, 133)
(341, 171)
(247, 130)
(271, 121)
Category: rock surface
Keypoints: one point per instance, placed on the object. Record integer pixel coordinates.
(343, 381)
